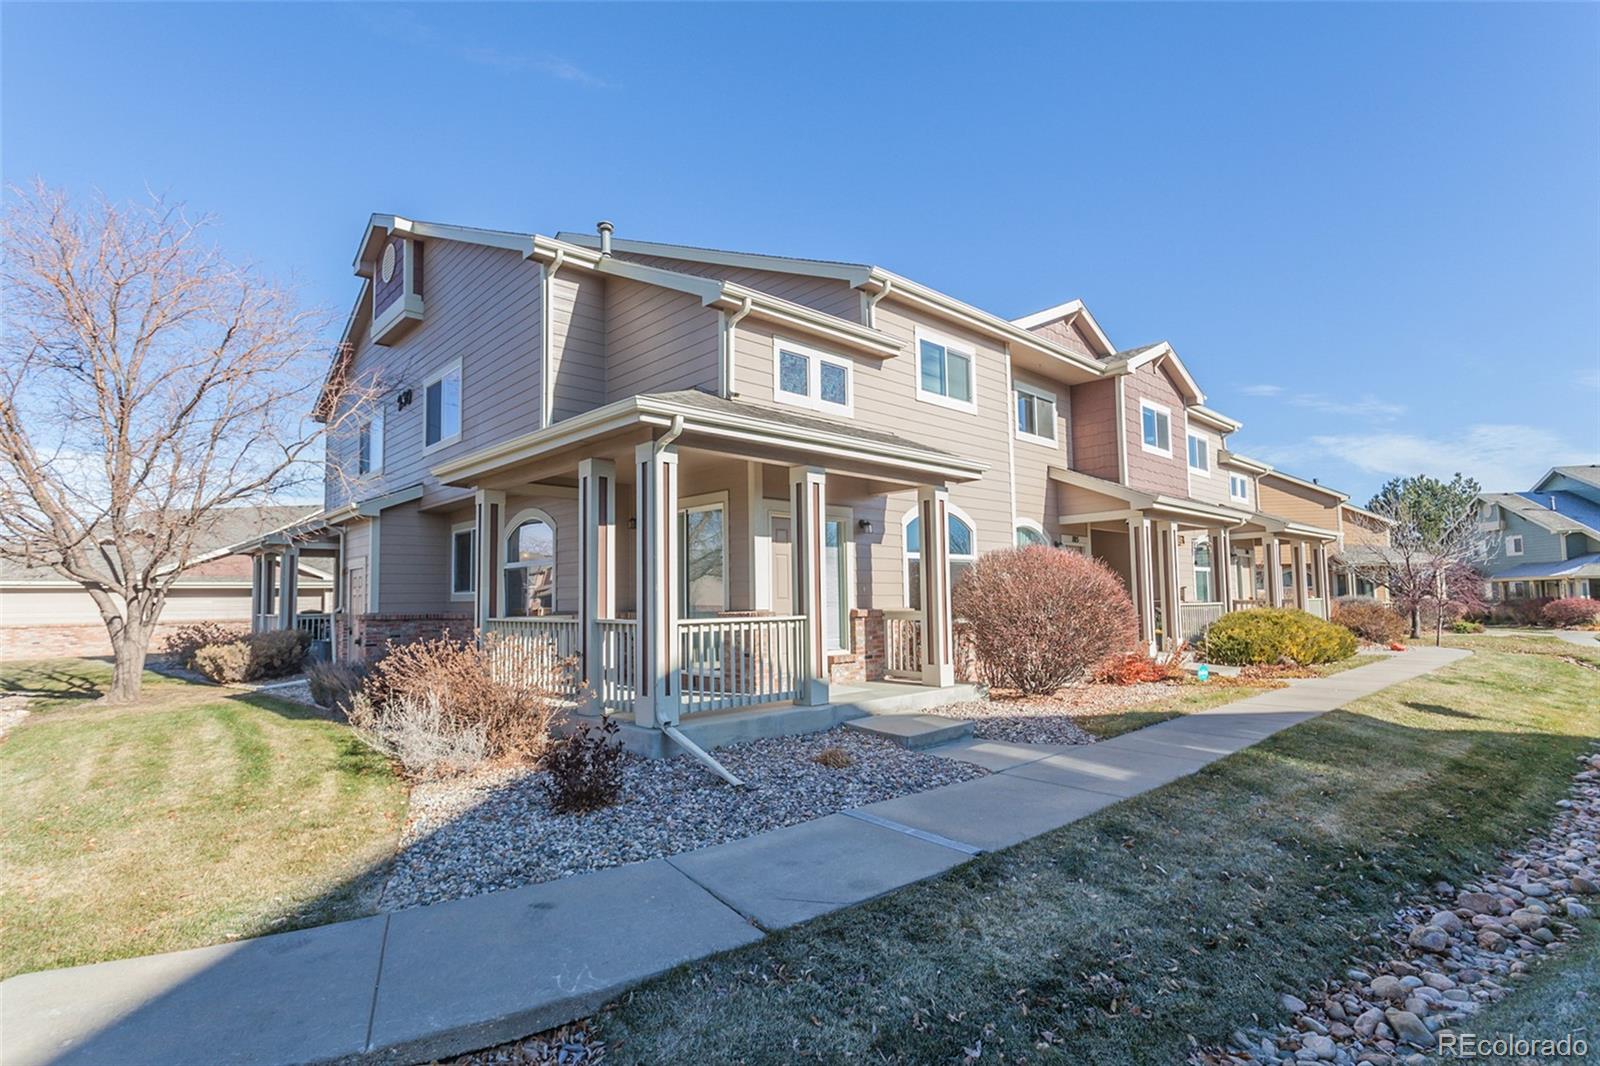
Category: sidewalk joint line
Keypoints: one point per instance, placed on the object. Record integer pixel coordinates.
(377, 982)
(920, 834)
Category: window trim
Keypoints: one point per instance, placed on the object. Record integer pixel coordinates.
(1210, 569)
(444, 371)
(472, 571)
(1205, 444)
(710, 501)
(1019, 524)
(1037, 393)
(813, 399)
(528, 514)
(1163, 411)
(366, 430)
(1242, 480)
(948, 343)
(1517, 539)
(905, 554)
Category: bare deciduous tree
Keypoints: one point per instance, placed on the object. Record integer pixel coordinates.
(1430, 564)
(146, 385)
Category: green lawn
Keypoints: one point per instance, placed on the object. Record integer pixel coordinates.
(1179, 913)
(1562, 996)
(194, 817)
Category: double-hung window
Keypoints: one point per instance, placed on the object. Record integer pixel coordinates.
(441, 406)
(809, 378)
(369, 459)
(1157, 425)
(1199, 455)
(1514, 545)
(1239, 487)
(1036, 414)
(944, 371)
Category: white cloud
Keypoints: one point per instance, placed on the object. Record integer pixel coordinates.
(1262, 390)
(1366, 407)
(1503, 457)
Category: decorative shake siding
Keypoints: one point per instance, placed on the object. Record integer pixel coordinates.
(482, 308)
(885, 399)
(1296, 503)
(1212, 489)
(825, 294)
(577, 342)
(1036, 495)
(1149, 471)
(657, 340)
(1066, 336)
(1094, 429)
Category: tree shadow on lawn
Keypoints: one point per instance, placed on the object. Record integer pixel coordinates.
(83, 678)
(1288, 856)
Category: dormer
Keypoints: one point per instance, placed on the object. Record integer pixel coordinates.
(391, 258)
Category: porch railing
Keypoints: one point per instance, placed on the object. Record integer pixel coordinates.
(738, 662)
(317, 626)
(1193, 618)
(902, 643)
(264, 623)
(618, 660)
(540, 651)
(1317, 605)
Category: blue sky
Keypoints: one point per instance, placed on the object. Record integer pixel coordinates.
(1373, 232)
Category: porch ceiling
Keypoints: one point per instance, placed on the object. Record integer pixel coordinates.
(699, 420)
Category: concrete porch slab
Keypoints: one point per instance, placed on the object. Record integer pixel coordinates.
(790, 875)
(292, 997)
(480, 971)
(992, 812)
(912, 730)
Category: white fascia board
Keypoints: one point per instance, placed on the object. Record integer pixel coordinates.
(378, 504)
(1214, 419)
(1074, 312)
(1243, 462)
(1341, 497)
(854, 274)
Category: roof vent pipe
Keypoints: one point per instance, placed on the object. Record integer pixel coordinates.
(605, 229)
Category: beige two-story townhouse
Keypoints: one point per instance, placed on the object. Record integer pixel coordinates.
(722, 481)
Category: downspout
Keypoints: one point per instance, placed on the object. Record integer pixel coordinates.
(872, 302)
(670, 728)
(547, 390)
(729, 332)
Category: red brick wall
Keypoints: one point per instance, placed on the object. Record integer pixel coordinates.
(78, 641)
(373, 631)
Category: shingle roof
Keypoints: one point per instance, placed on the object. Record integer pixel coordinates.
(1577, 566)
(1568, 505)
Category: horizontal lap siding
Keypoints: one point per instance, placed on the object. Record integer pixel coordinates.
(481, 306)
(1149, 471)
(1094, 429)
(1212, 489)
(657, 340)
(885, 400)
(1036, 495)
(1287, 500)
(414, 561)
(577, 342)
(1358, 529)
(825, 294)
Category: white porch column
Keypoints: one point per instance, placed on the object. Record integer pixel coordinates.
(808, 511)
(938, 629)
(288, 590)
(255, 592)
(1222, 568)
(1174, 594)
(489, 513)
(597, 527)
(1324, 582)
(1144, 555)
(1274, 573)
(657, 672)
(1299, 567)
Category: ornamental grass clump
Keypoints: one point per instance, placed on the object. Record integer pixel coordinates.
(1040, 618)
(1276, 635)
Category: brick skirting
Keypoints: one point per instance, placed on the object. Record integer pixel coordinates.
(83, 639)
(371, 632)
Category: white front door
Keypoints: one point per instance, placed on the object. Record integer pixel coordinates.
(782, 566)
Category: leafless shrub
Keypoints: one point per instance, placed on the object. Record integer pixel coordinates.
(834, 758)
(185, 640)
(419, 734)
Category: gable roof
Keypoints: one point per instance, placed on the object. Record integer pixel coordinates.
(1588, 474)
(1074, 313)
(1163, 354)
(1314, 486)
(1569, 505)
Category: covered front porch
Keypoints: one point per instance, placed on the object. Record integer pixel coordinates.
(279, 597)
(695, 558)
(1186, 563)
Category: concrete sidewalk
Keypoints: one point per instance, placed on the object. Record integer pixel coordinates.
(448, 978)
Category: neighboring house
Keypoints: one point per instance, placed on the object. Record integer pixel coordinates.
(722, 480)
(1545, 542)
(42, 612)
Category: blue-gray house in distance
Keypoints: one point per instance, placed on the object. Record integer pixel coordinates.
(1547, 540)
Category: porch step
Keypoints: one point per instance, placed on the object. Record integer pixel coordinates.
(912, 730)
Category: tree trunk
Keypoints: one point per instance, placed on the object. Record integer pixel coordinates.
(1416, 623)
(130, 644)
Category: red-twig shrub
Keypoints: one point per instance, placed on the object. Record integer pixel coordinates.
(1370, 620)
(1572, 611)
(1525, 612)
(1041, 618)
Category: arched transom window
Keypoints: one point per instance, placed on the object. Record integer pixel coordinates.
(963, 552)
(1202, 570)
(530, 565)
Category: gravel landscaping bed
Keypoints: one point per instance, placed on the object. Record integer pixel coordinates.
(1052, 719)
(495, 830)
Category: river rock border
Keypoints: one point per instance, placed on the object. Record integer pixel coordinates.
(1452, 951)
